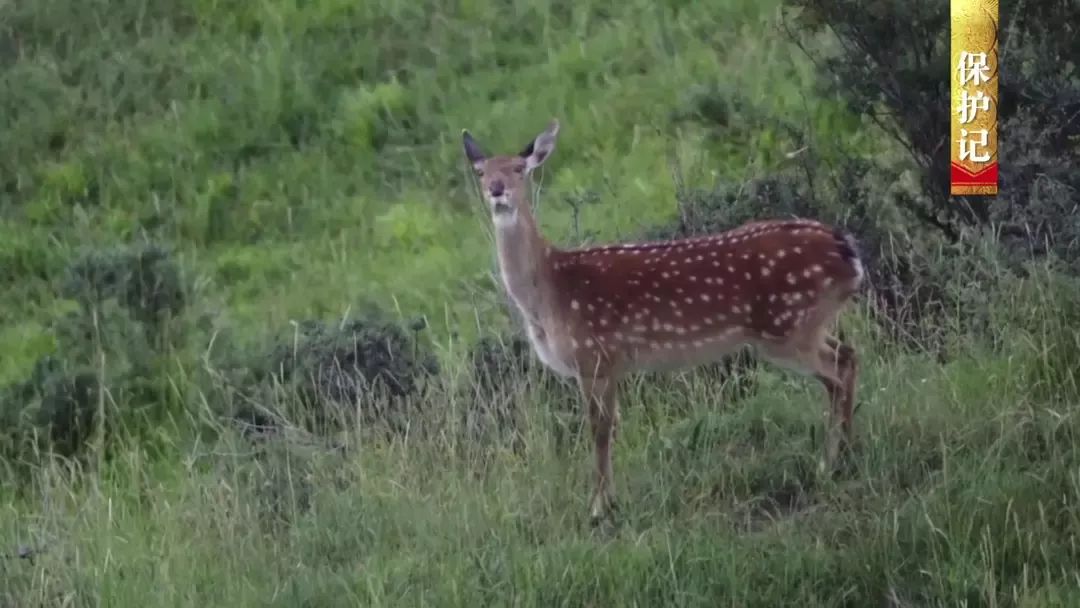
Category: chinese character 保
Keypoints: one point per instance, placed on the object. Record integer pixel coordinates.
(973, 68)
(971, 104)
(969, 148)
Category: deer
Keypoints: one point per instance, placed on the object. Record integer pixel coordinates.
(597, 314)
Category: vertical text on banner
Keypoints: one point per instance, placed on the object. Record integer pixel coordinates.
(974, 97)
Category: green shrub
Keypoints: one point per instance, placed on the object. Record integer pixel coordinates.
(145, 279)
(326, 376)
(53, 411)
(1038, 111)
(110, 355)
(504, 376)
(103, 363)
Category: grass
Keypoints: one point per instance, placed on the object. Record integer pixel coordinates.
(303, 161)
(962, 493)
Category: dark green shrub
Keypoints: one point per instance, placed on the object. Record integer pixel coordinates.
(1038, 212)
(490, 402)
(497, 362)
(53, 411)
(69, 404)
(345, 358)
(332, 371)
(18, 410)
(893, 67)
(504, 374)
(145, 279)
(56, 408)
(111, 355)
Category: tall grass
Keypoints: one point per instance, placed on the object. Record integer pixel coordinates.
(303, 161)
(961, 491)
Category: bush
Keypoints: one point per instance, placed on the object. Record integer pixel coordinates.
(367, 366)
(68, 410)
(1038, 111)
(55, 409)
(504, 372)
(145, 279)
(115, 340)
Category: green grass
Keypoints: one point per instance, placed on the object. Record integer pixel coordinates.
(963, 490)
(303, 159)
(323, 156)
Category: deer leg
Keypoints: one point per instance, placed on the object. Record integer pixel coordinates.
(833, 420)
(814, 355)
(616, 421)
(836, 371)
(602, 404)
(847, 367)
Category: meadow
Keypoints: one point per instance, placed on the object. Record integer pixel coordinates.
(205, 205)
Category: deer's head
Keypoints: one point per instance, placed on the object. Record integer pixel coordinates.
(504, 180)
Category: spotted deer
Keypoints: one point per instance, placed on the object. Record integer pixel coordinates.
(597, 314)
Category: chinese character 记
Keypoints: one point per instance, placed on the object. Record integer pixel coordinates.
(970, 104)
(973, 68)
(969, 147)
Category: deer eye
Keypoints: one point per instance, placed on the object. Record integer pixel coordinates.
(519, 169)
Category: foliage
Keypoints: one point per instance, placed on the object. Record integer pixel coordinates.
(332, 370)
(503, 378)
(898, 78)
(180, 181)
(499, 371)
(144, 279)
(111, 349)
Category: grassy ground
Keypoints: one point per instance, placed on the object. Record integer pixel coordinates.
(303, 159)
(962, 492)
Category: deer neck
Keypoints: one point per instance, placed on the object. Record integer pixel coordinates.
(523, 262)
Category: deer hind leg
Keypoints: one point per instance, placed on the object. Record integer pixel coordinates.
(814, 352)
(603, 407)
(846, 363)
(836, 369)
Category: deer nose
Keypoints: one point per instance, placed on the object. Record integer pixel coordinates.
(496, 188)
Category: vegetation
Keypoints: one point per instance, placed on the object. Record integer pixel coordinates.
(254, 352)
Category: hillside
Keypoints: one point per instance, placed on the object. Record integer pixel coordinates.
(255, 352)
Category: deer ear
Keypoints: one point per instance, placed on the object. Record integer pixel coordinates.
(472, 149)
(541, 148)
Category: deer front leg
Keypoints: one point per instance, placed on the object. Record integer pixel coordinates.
(602, 403)
(833, 421)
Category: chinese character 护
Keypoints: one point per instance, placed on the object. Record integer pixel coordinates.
(970, 104)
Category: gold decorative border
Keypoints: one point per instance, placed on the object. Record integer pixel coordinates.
(974, 97)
